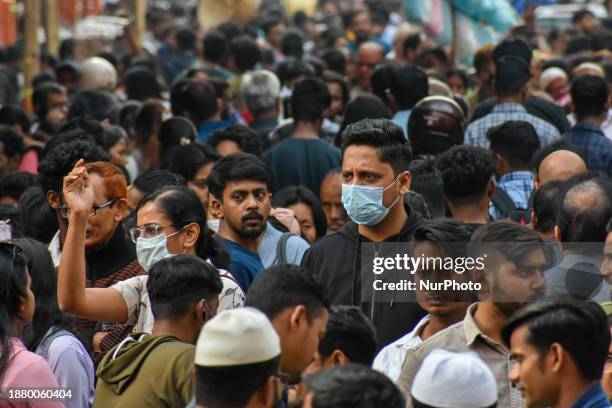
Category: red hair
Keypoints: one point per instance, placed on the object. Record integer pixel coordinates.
(116, 186)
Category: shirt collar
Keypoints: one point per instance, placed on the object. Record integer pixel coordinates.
(517, 176)
(509, 108)
(593, 397)
(472, 331)
(407, 339)
(588, 127)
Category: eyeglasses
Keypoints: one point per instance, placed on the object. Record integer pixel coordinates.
(149, 231)
(65, 210)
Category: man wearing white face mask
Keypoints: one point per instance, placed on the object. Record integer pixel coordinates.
(375, 159)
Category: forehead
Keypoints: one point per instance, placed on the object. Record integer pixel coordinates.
(151, 214)
(518, 338)
(98, 185)
(361, 157)
(369, 54)
(244, 185)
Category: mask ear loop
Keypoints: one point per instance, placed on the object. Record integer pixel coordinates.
(398, 194)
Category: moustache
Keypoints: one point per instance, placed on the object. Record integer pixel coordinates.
(252, 216)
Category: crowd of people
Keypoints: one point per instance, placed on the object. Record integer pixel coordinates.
(186, 224)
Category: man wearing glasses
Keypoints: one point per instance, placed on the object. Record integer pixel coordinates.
(110, 256)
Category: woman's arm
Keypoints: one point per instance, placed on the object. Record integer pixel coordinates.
(105, 304)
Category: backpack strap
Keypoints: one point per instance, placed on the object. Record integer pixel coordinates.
(502, 201)
(281, 248)
(46, 342)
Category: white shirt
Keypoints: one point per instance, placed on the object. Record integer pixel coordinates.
(390, 359)
(136, 298)
(55, 249)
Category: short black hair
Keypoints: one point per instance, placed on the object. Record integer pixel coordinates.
(188, 159)
(581, 328)
(511, 75)
(384, 136)
(332, 77)
(589, 96)
(427, 181)
(244, 137)
(185, 38)
(546, 204)
(584, 221)
(14, 183)
(466, 171)
(291, 195)
(355, 386)
(12, 142)
(198, 98)
(408, 85)
(178, 282)
(291, 69)
(580, 14)
(516, 47)
(309, 100)
(441, 230)
(335, 60)
(350, 331)
(215, 46)
(284, 286)
(367, 106)
(411, 42)
(516, 141)
(41, 222)
(238, 166)
(154, 179)
(11, 116)
(232, 386)
(451, 72)
(40, 94)
(245, 52)
(61, 158)
(292, 43)
(98, 105)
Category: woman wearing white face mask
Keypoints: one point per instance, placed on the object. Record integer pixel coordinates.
(170, 221)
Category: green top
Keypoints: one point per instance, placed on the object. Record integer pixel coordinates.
(146, 371)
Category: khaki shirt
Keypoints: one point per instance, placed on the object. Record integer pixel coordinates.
(465, 336)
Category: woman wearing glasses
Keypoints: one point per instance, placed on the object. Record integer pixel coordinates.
(170, 221)
(19, 368)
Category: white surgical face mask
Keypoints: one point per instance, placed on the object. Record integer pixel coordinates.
(213, 224)
(152, 250)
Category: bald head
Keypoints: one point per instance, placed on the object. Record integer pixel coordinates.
(368, 56)
(560, 165)
(589, 68)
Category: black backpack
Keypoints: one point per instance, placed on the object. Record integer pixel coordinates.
(502, 201)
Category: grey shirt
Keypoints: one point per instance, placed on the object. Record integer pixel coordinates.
(465, 336)
(296, 246)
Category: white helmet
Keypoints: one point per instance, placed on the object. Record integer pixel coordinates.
(98, 74)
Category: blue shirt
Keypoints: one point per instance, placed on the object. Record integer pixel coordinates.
(593, 145)
(595, 397)
(401, 119)
(519, 186)
(244, 264)
(208, 128)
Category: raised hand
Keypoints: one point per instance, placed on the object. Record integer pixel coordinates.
(77, 190)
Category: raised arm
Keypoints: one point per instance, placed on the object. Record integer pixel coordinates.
(104, 304)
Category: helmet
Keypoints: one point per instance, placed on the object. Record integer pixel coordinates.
(98, 74)
(436, 124)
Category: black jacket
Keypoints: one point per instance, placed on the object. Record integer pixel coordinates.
(336, 262)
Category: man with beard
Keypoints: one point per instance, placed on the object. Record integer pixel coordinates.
(50, 102)
(239, 191)
(513, 259)
(438, 238)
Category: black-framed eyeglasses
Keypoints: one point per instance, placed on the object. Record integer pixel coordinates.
(65, 210)
(149, 231)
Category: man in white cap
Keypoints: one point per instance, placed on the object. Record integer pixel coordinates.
(449, 379)
(554, 81)
(237, 360)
